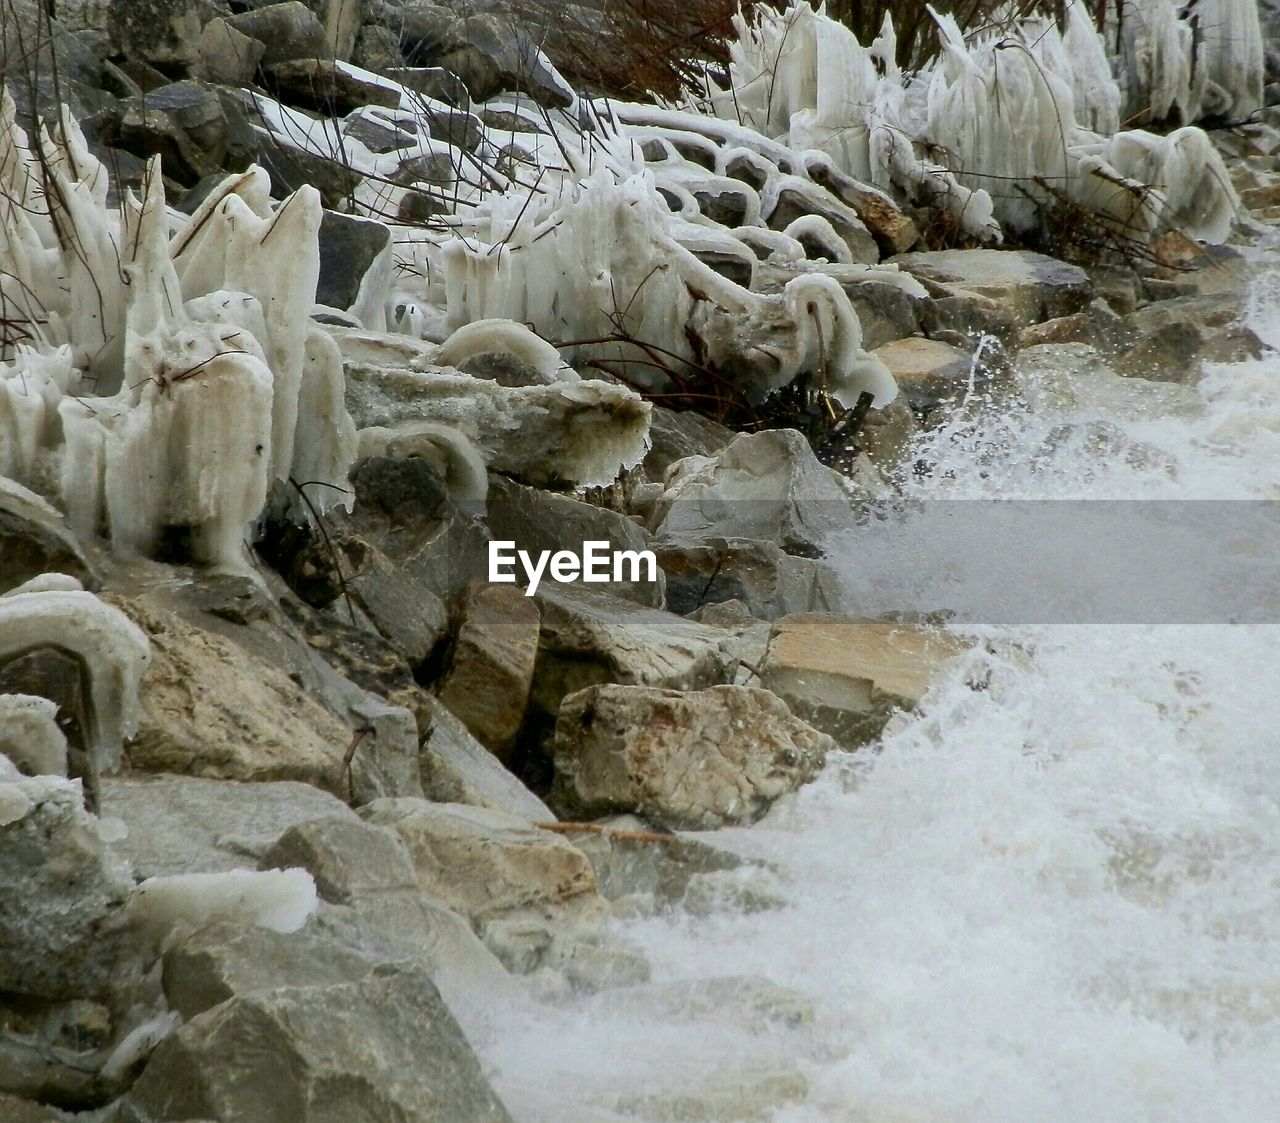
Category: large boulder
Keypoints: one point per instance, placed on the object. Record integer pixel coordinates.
(488, 682)
(1029, 285)
(846, 676)
(589, 638)
(380, 1047)
(185, 824)
(288, 31)
(928, 372)
(698, 760)
(456, 768)
(183, 123)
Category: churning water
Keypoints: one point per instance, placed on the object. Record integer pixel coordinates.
(1053, 899)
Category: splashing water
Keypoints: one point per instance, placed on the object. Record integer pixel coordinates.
(1054, 899)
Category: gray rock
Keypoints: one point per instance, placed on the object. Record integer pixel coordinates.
(227, 55)
(34, 540)
(426, 30)
(341, 20)
(321, 84)
(434, 82)
(355, 265)
(289, 30)
(846, 676)
(290, 168)
(541, 520)
(183, 123)
(675, 435)
(346, 857)
(162, 33)
(65, 889)
(803, 199)
(893, 231)
(377, 48)
(488, 682)
(498, 55)
(699, 759)
(1029, 285)
(767, 486)
(589, 638)
(382, 1047)
(184, 824)
(485, 864)
(928, 371)
(456, 768)
(768, 580)
(376, 134)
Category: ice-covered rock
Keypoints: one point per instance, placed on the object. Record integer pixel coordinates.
(281, 900)
(29, 735)
(696, 759)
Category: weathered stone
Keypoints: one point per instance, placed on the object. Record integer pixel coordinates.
(488, 682)
(763, 576)
(346, 856)
(675, 435)
(1068, 376)
(893, 231)
(162, 33)
(1076, 328)
(377, 48)
(43, 98)
(928, 372)
(456, 768)
(341, 20)
(589, 638)
(62, 909)
(355, 266)
(540, 520)
(443, 121)
(382, 1047)
(767, 486)
(434, 82)
(183, 824)
(427, 29)
(34, 540)
(1031, 286)
(698, 760)
(324, 85)
(499, 55)
(794, 203)
(211, 708)
(183, 123)
(291, 168)
(377, 134)
(486, 865)
(226, 55)
(847, 676)
(546, 435)
(16, 1110)
(57, 677)
(288, 31)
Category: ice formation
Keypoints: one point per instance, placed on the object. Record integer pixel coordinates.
(29, 735)
(111, 650)
(281, 900)
(159, 379)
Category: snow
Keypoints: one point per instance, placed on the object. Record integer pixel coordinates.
(281, 900)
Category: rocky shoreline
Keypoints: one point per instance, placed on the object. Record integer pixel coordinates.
(273, 813)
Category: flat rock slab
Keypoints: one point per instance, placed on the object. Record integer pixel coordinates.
(696, 759)
(184, 824)
(847, 676)
(927, 371)
(1030, 285)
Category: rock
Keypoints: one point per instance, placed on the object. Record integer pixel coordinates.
(211, 708)
(846, 676)
(488, 682)
(885, 311)
(377, 48)
(161, 33)
(16, 1110)
(183, 123)
(1171, 340)
(750, 1096)
(34, 539)
(589, 638)
(456, 768)
(498, 55)
(437, 84)
(797, 201)
(65, 889)
(325, 85)
(485, 864)
(1171, 355)
(1070, 376)
(893, 231)
(341, 20)
(377, 134)
(541, 520)
(768, 580)
(444, 121)
(227, 56)
(288, 31)
(184, 824)
(291, 168)
(346, 856)
(1029, 285)
(1076, 328)
(96, 111)
(767, 486)
(427, 29)
(698, 760)
(381, 1047)
(928, 372)
(674, 435)
(1260, 198)
(548, 435)
(223, 961)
